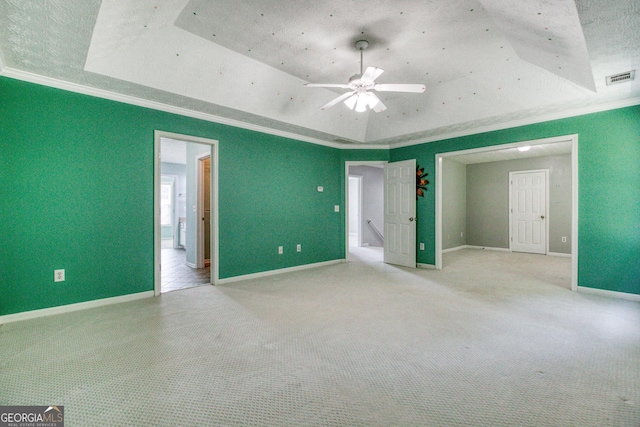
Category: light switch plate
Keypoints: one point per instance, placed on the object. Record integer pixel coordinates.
(336, 208)
(320, 188)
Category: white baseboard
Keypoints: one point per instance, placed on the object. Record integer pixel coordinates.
(457, 248)
(279, 271)
(559, 254)
(8, 318)
(488, 248)
(190, 264)
(607, 293)
(426, 266)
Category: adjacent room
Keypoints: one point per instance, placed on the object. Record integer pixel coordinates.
(268, 213)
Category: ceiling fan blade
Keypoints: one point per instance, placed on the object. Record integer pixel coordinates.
(370, 74)
(380, 107)
(337, 100)
(326, 85)
(374, 103)
(417, 88)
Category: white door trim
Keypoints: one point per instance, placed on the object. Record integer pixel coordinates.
(346, 196)
(546, 207)
(158, 135)
(359, 179)
(574, 194)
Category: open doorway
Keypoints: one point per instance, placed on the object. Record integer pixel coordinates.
(473, 215)
(185, 212)
(365, 211)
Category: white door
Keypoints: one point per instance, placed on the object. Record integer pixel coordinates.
(528, 196)
(400, 213)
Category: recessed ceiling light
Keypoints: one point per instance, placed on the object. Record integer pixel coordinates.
(524, 148)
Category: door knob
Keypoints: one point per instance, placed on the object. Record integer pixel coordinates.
(541, 216)
(411, 219)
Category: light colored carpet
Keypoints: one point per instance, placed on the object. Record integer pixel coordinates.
(494, 339)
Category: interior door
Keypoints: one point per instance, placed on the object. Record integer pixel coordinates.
(528, 211)
(400, 213)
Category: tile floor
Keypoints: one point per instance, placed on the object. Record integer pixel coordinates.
(176, 274)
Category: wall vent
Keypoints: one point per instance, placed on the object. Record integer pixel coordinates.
(621, 78)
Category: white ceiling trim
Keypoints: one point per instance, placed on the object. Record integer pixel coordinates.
(613, 105)
(113, 96)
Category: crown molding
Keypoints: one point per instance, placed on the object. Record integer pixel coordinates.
(581, 111)
(127, 99)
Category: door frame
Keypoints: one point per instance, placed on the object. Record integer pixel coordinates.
(347, 164)
(546, 207)
(574, 193)
(158, 135)
(200, 208)
(348, 212)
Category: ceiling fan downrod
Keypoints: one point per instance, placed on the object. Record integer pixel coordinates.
(362, 45)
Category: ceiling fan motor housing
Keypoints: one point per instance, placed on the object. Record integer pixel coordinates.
(362, 44)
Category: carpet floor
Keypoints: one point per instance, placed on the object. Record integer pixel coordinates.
(493, 339)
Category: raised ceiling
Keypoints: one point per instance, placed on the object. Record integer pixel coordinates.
(487, 64)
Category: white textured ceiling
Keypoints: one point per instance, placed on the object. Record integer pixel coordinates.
(486, 63)
(173, 151)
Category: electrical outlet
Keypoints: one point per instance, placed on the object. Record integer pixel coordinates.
(564, 239)
(461, 234)
(422, 246)
(58, 275)
(336, 208)
(280, 250)
(299, 247)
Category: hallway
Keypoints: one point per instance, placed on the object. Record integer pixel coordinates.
(176, 274)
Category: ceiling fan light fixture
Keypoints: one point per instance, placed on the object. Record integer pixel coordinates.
(372, 100)
(361, 104)
(360, 85)
(351, 101)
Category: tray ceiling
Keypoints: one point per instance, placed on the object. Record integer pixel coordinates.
(486, 64)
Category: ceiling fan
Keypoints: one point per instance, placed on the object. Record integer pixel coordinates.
(360, 96)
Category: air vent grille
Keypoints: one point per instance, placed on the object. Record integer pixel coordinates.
(621, 78)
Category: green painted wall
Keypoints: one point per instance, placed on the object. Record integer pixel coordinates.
(76, 191)
(76, 184)
(609, 191)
